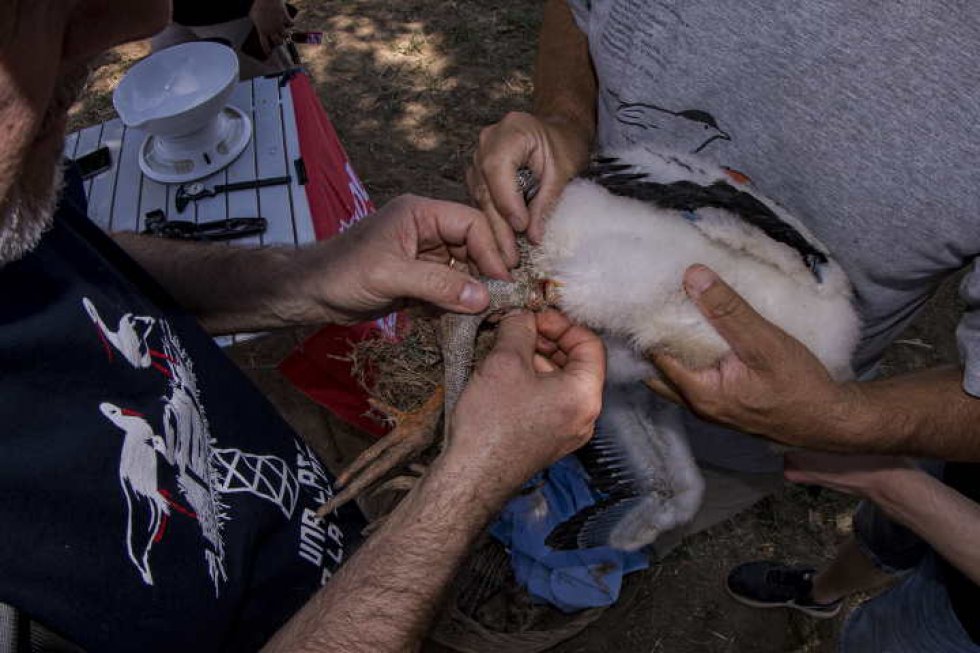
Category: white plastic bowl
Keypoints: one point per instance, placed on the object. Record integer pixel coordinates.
(179, 97)
(177, 91)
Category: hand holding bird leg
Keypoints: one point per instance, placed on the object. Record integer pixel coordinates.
(458, 332)
(518, 414)
(399, 254)
(415, 430)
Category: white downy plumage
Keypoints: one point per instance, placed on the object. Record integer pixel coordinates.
(618, 257)
(620, 262)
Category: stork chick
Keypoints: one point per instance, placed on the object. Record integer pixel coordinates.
(616, 245)
(619, 242)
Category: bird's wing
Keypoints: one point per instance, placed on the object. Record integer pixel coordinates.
(640, 461)
(635, 180)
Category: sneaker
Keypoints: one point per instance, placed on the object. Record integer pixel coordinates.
(767, 584)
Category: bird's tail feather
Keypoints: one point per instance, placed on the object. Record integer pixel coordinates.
(593, 526)
(639, 459)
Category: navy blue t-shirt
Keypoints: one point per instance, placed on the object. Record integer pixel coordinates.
(151, 499)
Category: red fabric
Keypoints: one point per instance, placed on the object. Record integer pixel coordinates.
(317, 367)
(337, 200)
(336, 196)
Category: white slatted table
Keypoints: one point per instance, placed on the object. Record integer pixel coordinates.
(120, 197)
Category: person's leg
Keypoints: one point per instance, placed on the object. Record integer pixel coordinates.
(879, 550)
(914, 615)
(850, 571)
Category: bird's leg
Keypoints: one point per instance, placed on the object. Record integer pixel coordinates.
(413, 432)
(459, 331)
(458, 344)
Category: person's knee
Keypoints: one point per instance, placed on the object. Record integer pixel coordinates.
(891, 547)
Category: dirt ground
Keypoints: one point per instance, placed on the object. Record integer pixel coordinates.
(408, 85)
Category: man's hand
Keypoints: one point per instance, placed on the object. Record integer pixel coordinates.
(272, 23)
(404, 251)
(533, 399)
(769, 384)
(554, 142)
(554, 150)
(862, 475)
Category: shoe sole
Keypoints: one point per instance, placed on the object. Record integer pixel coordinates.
(810, 612)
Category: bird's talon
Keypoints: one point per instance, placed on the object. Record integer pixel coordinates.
(413, 432)
(397, 484)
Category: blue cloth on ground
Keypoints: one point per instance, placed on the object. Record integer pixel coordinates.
(568, 580)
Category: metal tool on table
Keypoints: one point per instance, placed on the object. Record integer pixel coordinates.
(157, 224)
(187, 193)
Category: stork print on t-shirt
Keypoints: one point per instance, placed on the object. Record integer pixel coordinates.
(171, 467)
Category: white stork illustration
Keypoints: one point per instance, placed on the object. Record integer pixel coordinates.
(148, 507)
(129, 338)
(202, 474)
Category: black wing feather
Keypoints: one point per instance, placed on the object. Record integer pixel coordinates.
(689, 196)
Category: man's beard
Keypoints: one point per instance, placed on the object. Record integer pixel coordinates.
(27, 211)
(27, 216)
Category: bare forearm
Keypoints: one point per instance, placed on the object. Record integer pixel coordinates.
(943, 517)
(511, 422)
(384, 598)
(230, 289)
(924, 414)
(564, 80)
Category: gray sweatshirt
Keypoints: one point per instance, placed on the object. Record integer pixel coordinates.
(862, 118)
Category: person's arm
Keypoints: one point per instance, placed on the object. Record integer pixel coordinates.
(771, 385)
(564, 79)
(400, 251)
(272, 22)
(533, 400)
(923, 414)
(554, 141)
(385, 596)
(937, 513)
(940, 515)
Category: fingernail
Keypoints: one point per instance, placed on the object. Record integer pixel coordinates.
(517, 222)
(699, 279)
(472, 295)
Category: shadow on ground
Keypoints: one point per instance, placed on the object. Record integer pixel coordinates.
(409, 84)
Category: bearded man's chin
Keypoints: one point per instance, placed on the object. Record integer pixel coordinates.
(27, 213)
(28, 209)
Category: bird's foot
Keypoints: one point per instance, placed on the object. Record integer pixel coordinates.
(398, 484)
(414, 431)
